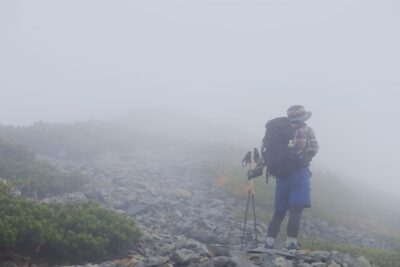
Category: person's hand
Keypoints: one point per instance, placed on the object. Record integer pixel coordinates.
(256, 172)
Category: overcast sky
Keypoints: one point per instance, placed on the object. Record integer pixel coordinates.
(240, 62)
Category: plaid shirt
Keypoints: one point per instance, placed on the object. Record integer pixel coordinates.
(304, 142)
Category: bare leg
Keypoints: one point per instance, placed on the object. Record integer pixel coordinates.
(275, 224)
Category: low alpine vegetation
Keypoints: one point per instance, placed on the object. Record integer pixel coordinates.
(375, 256)
(19, 166)
(64, 233)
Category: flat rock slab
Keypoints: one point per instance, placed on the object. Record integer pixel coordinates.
(241, 258)
(277, 252)
(137, 209)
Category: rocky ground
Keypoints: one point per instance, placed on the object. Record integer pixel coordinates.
(185, 219)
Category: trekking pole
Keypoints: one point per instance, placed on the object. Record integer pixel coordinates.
(250, 190)
(246, 162)
(255, 220)
(257, 159)
(245, 220)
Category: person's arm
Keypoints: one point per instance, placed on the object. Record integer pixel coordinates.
(299, 142)
(312, 145)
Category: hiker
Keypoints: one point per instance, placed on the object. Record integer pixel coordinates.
(292, 192)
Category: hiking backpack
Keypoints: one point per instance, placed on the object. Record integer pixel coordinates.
(279, 158)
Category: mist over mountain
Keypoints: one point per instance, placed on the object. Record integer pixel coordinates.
(244, 64)
(158, 129)
(126, 122)
(183, 125)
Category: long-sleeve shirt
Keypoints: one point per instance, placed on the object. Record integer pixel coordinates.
(305, 143)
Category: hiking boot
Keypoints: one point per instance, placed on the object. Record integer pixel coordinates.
(292, 246)
(269, 243)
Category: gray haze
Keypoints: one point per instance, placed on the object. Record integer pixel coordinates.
(233, 62)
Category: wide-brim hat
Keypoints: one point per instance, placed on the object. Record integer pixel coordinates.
(297, 113)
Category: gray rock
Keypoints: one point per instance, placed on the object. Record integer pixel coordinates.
(107, 264)
(223, 261)
(95, 196)
(333, 264)
(242, 258)
(156, 261)
(202, 235)
(267, 260)
(9, 264)
(362, 262)
(344, 259)
(203, 251)
(319, 255)
(333, 255)
(219, 251)
(282, 262)
(183, 255)
(178, 213)
(223, 238)
(167, 249)
(183, 193)
(137, 209)
(220, 229)
(197, 247)
(208, 263)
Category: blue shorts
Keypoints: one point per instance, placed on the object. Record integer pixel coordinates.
(293, 191)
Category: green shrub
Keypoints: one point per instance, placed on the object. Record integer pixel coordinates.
(378, 257)
(19, 166)
(64, 233)
(4, 187)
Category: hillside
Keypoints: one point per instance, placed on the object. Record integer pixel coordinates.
(138, 130)
(335, 201)
(20, 169)
(370, 209)
(135, 175)
(74, 141)
(185, 219)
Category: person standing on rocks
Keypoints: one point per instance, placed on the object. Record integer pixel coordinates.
(288, 148)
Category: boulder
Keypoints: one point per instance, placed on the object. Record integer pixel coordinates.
(320, 255)
(223, 261)
(282, 262)
(183, 255)
(223, 238)
(333, 264)
(362, 262)
(183, 193)
(9, 264)
(137, 209)
(219, 251)
(95, 195)
(201, 235)
(156, 261)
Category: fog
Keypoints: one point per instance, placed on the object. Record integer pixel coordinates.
(233, 63)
